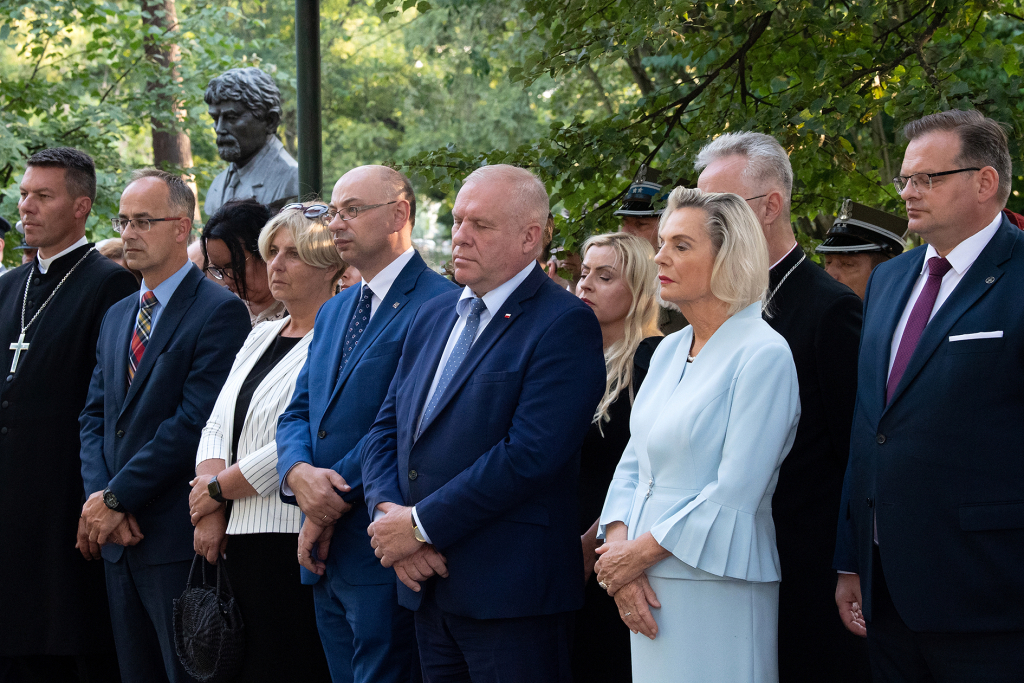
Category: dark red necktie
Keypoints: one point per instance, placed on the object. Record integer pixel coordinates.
(143, 327)
(918, 320)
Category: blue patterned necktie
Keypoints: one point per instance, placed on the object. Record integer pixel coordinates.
(356, 327)
(462, 346)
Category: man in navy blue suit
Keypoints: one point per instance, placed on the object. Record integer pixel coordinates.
(358, 339)
(161, 359)
(931, 526)
(475, 452)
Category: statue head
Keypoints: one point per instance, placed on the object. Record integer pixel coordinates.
(245, 105)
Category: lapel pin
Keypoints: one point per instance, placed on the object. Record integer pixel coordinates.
(507, 316)
(396, 305)
(989, 280)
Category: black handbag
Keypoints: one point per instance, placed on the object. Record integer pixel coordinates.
(209, 636)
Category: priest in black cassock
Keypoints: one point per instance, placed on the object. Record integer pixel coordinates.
(820, 319)
(54, 620)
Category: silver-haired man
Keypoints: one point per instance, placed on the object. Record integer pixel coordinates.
(821, 320)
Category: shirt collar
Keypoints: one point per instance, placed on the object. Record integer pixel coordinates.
(795, 245)
(165, 290)
(43, 264)
(497, 297)
(966, 253)
(381, 283)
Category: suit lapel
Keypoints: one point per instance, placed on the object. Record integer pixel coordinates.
(123, 338)
(506, 316)
(168, 323)
(338, 342)
(981, 276)
(898, 292)
(395, 301)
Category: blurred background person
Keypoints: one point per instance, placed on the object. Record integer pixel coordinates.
(4, 227)
(620, 283)
(237, 458)
(860, 239)
(641, 213)
(113, 249)
(688, 518)
(230, 243)
(349, 277)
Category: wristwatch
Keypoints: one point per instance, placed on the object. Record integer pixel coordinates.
(417, 534)
(213, 488)
(111, 501)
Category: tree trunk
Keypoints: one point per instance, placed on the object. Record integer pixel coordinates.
(171, 148)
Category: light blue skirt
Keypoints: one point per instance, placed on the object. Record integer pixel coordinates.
(710, 632)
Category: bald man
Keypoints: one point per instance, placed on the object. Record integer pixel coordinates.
(356, 346)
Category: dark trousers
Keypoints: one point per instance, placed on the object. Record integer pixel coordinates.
(281, 639)
(367, 635)
(600, 649)
(94, 668)
(899, 655)
(455, 649)
(141, 598)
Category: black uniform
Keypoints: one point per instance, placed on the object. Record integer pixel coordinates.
(821, 320)
(52, 601)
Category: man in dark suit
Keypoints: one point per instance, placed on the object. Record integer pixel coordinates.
(358, 339)
(931, 528)
(161, 359)
(820, 320)
(475, 452)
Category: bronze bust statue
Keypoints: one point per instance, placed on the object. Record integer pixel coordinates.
(245, 105)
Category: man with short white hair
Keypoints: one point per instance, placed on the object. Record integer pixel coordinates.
(475, 452)
(820, 319)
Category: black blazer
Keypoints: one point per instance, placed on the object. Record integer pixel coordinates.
(942, 465)
(142, 441)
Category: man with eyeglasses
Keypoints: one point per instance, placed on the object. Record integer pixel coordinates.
(820, 320)
(54, 623)
(357, 343)
(931, 532)
(161, 359)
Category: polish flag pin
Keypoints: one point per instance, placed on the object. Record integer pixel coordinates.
(508, 315)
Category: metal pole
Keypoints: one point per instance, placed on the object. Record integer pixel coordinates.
(307, 62)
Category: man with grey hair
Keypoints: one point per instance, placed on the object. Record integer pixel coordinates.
(475, 452)
(820, 319)
(245, 106)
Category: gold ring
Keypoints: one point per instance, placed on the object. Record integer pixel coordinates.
(603, 585)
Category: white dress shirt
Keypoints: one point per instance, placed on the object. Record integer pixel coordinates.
(493, 301)
(44, 263)
(961, 258)
(380, 285)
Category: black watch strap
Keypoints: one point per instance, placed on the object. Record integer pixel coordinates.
(213, 488)
(111, 501)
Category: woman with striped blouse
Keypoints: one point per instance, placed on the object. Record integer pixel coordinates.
(237, 457)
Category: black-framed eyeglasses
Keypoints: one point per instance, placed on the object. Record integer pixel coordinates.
(141, 224)
(227, 271)
(750, 199)
(347, 213)
(922, 182)
(312, 212)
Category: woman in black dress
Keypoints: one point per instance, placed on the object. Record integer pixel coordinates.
(620, 283)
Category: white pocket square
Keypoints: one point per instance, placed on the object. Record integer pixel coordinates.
(976, 335)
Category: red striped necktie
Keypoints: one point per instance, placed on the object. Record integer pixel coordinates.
(143, 326)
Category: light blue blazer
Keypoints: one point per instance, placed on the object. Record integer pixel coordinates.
(707, 442)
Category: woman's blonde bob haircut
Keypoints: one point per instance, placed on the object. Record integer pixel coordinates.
(313, 241)
(634, 259)
(740, 274)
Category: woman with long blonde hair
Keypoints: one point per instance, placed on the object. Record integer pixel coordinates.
(619, 281)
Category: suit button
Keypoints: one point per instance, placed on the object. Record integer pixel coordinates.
(870, 502)
(10, 377)
(120, 433)
(412, 475)
(321, 434)
(5, 404)
(880, 439)
(35, 281)
(3, 430)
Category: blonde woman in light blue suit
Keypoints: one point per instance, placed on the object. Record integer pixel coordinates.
(690, 554)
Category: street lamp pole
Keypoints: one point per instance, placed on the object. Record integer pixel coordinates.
(307, 62)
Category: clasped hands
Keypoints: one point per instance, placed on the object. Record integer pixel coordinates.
(99, 525)
(620, 570)
(394, 543)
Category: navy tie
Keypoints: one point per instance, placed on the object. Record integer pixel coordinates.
(462, 346)
(356, 327)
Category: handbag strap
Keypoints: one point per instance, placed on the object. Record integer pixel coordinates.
(222, 571)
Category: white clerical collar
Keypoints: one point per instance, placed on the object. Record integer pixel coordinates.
(795, 244)
(43, 264)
